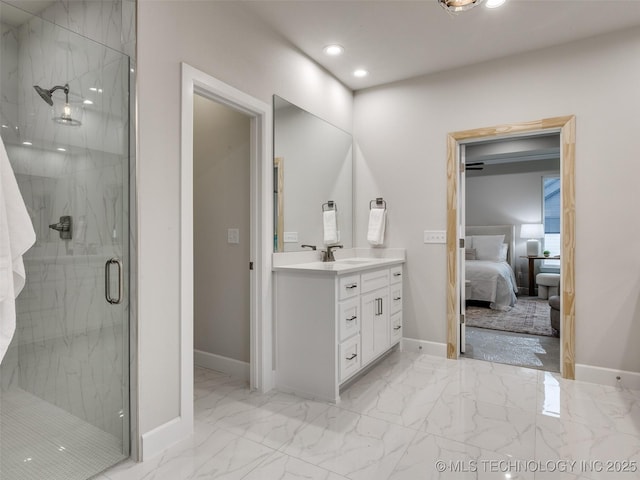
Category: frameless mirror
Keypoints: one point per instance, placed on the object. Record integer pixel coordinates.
(312, 165)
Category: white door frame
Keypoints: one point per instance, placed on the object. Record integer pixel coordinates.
(261, 205)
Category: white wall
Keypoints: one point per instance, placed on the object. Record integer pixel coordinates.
(511, 199)
(401, 153)
(221, 142)
(222, 40)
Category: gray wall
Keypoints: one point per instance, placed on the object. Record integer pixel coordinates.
(511, 199)
(591, 79)
(221, 144)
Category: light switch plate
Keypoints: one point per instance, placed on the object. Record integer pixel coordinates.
(435, 236)
(290, 237)
(233, 235)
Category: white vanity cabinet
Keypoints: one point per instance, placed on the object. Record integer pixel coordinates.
(330, 325)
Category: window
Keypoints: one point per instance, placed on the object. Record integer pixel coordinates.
(551, 218)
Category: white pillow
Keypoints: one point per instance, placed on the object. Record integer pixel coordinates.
(488, 247)
(504, 249)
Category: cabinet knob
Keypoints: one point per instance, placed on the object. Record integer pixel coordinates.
(397, 298)
(397, 327)
(397, 274)
(352, 356)
(352, 285)
(351, 319)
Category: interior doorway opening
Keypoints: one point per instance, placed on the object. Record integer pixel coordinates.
(565, 126)
(511, 195)
(221, 237)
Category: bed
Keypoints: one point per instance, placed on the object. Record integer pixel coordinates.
(489, 265)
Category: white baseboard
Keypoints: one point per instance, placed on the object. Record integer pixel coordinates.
(608, 376)
(227, 365)
(162, 437)
(423, 346)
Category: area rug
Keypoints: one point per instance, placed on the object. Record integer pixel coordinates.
(529, 315)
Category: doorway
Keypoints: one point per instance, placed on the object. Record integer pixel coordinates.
(196, 82)
(221, 237)
(565, 126)
(511, 188)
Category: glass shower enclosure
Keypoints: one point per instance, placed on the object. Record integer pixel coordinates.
(64, 382)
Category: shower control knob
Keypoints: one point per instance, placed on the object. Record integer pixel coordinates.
(64, 227)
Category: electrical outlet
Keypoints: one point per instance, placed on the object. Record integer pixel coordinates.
(435, 236)
(290, 237)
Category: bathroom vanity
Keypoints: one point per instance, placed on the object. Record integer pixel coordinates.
(333, 319)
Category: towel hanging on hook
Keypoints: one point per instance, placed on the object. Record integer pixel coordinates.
(330, 223)
(377, 221)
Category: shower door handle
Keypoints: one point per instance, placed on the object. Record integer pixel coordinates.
(107, 281)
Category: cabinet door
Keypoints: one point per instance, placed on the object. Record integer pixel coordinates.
(374, 328)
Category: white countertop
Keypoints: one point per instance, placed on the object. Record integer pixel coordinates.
(343, 264)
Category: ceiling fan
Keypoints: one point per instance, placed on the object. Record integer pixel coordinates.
(474, 166)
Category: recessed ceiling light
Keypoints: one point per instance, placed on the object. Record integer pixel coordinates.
(60, 149)
(5, 126)
(93, 89)
(27, 143)
(494, 3)
(360, 72)
(88, 102)
(334, 50)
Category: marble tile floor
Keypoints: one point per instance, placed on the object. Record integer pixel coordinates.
(520, 349)
(412, 417)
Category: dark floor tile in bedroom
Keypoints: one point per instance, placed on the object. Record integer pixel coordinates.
(532, 351)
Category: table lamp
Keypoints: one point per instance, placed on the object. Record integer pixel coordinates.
(532, 232)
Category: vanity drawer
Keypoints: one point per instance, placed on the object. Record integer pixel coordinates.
(349, 318)
(349, 353)
(396, 274)
(374, 280)
(395, 325)
(349, 286)
(395, 294)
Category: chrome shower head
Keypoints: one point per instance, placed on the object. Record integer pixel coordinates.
(46, 94)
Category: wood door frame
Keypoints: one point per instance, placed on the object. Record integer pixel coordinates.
(566, 126)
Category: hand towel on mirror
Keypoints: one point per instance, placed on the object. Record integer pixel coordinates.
(330, 224)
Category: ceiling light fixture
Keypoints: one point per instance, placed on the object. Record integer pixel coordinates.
(360, 73)
(334, 50)
(494, 3)
(457, 6)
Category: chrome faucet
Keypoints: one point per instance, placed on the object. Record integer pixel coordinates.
(327, 255)
(312, 247)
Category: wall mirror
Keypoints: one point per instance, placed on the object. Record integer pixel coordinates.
(312, 165)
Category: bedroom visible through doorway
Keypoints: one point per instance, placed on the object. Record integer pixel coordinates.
(511, 186)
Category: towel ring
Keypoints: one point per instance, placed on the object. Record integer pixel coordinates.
(379, 203)
(330, 205)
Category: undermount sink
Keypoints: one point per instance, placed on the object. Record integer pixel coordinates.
(353, 261)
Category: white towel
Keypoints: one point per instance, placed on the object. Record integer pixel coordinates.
(16, 237)
(377, 219)
(330, 224)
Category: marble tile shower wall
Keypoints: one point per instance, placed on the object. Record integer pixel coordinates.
(69, 347)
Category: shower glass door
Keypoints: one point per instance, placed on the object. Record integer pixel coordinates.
(64, 383)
